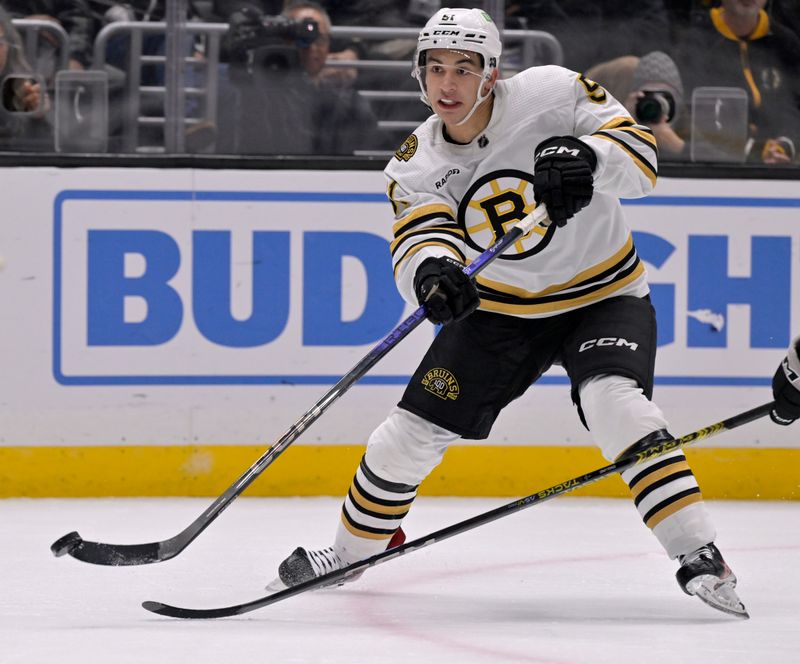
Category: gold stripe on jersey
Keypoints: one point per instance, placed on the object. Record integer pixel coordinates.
(645, 166)
(568, 301)
(628, 125)
(433, 243)
(428, 212)
(446, 229)
(584, 277)
(397, 205)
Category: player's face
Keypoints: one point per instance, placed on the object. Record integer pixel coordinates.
(452, 80)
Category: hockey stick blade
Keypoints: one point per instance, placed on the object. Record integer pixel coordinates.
(339, 576)
(99, 553)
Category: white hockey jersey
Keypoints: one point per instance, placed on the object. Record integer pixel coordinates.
(457, 200)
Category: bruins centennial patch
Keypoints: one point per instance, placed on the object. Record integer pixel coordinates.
(407, 149)
(442, 383)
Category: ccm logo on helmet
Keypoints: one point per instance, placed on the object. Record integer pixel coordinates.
(607, 341)
(452, 33)
(557, 149)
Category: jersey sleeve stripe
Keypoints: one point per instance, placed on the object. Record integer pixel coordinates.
(426, 233)
(425, 212)
(456, 251)
(645, 166)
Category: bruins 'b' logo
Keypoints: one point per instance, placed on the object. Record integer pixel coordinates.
(441, 383)
(407, 149)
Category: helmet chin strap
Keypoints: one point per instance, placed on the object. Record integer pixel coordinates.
(479, 99)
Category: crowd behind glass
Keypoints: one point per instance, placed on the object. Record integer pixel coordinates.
(716, 80)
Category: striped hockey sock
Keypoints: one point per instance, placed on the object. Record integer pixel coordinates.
(662, 487)
(666, 493)
(372, 512)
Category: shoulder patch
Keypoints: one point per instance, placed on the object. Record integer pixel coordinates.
(407, 149)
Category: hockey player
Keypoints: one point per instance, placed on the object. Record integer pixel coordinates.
(574, 293)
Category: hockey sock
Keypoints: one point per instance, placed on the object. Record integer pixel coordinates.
(668, 498)
(371, 515)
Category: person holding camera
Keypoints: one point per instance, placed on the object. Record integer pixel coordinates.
(651, 89)
(284, 102)
(25, 108)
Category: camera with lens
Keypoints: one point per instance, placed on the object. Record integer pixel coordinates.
(268, 42)
(655, 105)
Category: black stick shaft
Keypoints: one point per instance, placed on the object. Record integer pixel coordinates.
(332, 578)
(99, 553)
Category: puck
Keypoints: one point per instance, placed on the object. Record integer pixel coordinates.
(66, 544)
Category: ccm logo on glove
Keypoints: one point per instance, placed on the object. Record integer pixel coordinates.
(563, 179)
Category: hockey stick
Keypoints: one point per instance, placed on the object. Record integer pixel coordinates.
(99, 553)
(341, 575)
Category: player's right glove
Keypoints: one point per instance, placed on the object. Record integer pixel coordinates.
(786, 387)
(563, 176)
(448, 293)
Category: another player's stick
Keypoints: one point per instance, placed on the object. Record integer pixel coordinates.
(99, 553)
(340, 576)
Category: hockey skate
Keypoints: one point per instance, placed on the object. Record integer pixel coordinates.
(704, 573)
(303, 565)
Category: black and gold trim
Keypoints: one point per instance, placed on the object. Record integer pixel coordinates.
(658, 476)
(672, 505)
(590, 285)
(594, 91)
(368, 512)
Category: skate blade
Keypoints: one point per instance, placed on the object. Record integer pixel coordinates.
(275, 585)
(718, 595)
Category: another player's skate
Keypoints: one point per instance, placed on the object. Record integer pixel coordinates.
(704, 573)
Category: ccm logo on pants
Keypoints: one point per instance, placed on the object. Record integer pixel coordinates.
(607, 341)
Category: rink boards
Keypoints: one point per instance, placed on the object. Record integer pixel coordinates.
(161, 328)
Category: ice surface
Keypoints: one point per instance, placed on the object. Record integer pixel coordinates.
(570, 581)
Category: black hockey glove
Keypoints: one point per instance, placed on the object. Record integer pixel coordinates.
(786, 387)
(563, 179)
(449, 294)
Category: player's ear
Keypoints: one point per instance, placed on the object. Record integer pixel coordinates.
(487, 87)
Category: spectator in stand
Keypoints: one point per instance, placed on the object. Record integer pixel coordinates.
(74, 16)
(740, 46)
(24, 112)
(593, 32)
(651, 89)
(785, 12)
(285, 104)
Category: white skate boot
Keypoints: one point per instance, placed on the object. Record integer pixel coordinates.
(704, 573)
(303, 565)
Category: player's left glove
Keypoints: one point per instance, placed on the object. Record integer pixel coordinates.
(448, 293)
(563, 179)
(786, 387)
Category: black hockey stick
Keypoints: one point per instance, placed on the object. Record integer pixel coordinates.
(99, 553)
(338, 576)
